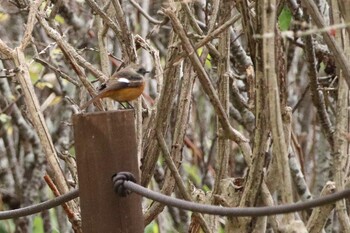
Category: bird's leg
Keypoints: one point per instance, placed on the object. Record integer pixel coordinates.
(129, 106)
(132, 107)
(121, 103)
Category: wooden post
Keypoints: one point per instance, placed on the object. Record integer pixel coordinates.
(105, 143)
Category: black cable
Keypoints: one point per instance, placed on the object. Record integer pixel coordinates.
(128, 183)
(235, 211)
(33, 209)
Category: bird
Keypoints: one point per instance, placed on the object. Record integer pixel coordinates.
(123, 86)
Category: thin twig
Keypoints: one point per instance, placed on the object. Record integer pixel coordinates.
(158, 118)
(223, 147)
(214, 34)
(320, 214)
(4, 49)
(74, 58)
(230, 132)
(339, 55)
(303, 94)
(94, 6)
(341, 145)
(170, 163)
(280, 149)
(33, 8)
(125, 38)
(57, 71)
(69, 50)
(147, 16)
(316, 95)
(41, 127)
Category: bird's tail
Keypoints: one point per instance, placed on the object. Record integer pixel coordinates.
(87, 104)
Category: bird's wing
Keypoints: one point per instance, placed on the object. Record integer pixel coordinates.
(115, 84)
(111, 85)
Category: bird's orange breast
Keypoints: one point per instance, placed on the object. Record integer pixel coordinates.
(125, 94)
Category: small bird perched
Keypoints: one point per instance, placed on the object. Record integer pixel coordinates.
(123, 86)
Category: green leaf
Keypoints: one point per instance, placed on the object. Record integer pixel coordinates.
(207, 60)
(7, 226)
(152, 228)
(34, 71)
(41, 85)
(4, 118)
(59, 19)
(193, 172)
(4, 17)
(284, 19)
(38, 225)
(206, 188)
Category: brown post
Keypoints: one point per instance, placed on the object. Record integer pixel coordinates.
(105, 143)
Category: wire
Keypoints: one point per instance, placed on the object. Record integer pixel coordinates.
(33, 209)
(235, 211)
(128, 183)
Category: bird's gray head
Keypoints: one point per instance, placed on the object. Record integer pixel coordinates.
(137, 68)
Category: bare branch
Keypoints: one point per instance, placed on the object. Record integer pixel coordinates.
(339, 55)
(33, 8)
(230, 132)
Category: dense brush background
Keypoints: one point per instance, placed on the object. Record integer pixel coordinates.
(264, 123)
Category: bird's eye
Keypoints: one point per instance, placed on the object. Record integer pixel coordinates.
(142, 71)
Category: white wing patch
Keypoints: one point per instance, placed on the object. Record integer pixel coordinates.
(123, 80)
